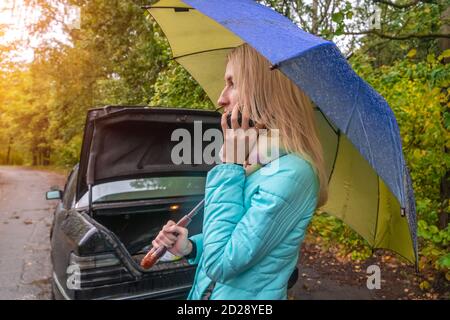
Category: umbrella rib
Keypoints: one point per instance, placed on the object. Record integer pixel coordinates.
(335, 155)
(328, 121)
(353, 109)
(148, 7)
(199, 52)
(399, 147)
(371, 161)
(378, 213)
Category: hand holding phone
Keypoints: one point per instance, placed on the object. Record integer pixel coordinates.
(237, 143)
(250, 121)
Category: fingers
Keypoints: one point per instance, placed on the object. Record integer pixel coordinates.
(165, 237)
(224, 125)
(222, 153)
(245, 118)
(237, 143)
(164, 240)
(252, 134)
(181, 231)
(249, 137)
(170, 222)
(234, 117)
(223, 122)
(169, 235)
(156, 244)
(168, 225)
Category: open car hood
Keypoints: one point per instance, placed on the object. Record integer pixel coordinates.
(127, 142)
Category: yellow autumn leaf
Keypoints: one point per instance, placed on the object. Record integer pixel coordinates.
(417, 153)
(424, 285)
(444, 54)
(412, 53)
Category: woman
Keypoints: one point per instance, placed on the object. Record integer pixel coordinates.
(255, 221)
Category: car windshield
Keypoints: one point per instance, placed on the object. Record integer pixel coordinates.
(146, 188)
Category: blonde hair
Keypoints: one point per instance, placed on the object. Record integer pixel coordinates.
(275, 101)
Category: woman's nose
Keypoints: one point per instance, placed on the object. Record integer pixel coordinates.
(223, 101)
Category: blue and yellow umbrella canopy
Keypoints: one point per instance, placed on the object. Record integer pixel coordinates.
(369, 183)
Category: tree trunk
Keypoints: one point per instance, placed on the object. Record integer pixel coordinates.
(8, 153)
(315, 17)
(445, 195)
(35, 154)
(47, 156)
(444, 43)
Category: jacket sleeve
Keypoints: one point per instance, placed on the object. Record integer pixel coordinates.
(234, 239)
(198, 240)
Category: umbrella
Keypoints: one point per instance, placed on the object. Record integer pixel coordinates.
(370, 187)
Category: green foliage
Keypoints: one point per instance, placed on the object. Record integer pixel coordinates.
(176, 88)
(434, 251)
(117, 57)
(332, 230)
(67, 153)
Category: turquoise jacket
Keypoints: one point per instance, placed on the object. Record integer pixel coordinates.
(252, 228)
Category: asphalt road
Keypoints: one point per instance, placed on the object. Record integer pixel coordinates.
(25, 220)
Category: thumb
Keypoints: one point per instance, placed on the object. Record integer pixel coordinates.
(221, 153)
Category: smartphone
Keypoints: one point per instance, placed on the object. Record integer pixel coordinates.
(250, 121)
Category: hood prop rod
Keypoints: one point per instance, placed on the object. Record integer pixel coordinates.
(90, 181)
(90, 173)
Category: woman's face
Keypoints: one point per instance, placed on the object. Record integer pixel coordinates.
(229, 96)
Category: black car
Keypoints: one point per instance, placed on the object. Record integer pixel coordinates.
(115, 201)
